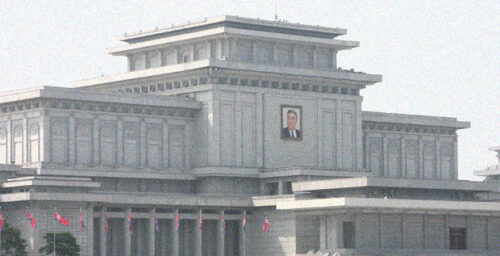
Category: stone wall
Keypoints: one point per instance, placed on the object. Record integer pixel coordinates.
(265, 52)
(410, 153)
(94, 138)
(241, 127)
(413, 231)
(280, 240)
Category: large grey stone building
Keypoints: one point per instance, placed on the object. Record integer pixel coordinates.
(231, 117)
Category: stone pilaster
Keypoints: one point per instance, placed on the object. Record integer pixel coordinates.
(322, 233)
(404, 171)
(454, 172)
(437, 171)
(385, 155)
(420, 155)
(193, 52)
(119, 142)
(187, 146)
(260, 135)
(95, 147)
(165, 149)
(146, 60)
(210, 49)
(71, 140)
(142, 143)
(25, 138)
(130, 63)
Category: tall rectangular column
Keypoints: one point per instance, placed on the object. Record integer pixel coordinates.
(221, 235)
(175, 236)
(128, 234)
(322, 233)
(90, 229)
(152, 234)
(197, 234)
(102, 231)
(243, 250)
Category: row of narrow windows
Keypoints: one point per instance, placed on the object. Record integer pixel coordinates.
(235, 81)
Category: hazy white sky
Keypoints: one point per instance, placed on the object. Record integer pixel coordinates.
(437, 57)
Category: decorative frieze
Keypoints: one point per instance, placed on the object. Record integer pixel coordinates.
(235, 79)
(407, 128)
(97, 106)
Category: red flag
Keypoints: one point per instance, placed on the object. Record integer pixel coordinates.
(82, 225)
(266, 225)
(61, 219)
(201, 223)
(177, 222)
(31, 219)
(106, 227)
(155, 220)
(224, 223)
(244, 223)
(130, 221)
(1, 221)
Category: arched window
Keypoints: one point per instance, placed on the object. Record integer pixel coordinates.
(34, 145)
(130, 145)
(18, 145)
(107, 145)
(154, 153)
(59, 141)
(83, 143)
(3, 146)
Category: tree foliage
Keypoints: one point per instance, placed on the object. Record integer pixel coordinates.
(65, 244)
(12, 242)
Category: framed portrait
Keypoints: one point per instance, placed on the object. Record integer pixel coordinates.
(291, 122)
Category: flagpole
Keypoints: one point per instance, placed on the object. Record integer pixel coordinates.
(81, 228)
(33, 230)
(55, 253)
(1, 229)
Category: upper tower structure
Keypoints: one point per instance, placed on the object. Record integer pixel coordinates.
(292, 50)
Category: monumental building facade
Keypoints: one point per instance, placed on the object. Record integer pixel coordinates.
(223, 125)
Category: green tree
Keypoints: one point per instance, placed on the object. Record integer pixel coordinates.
(65, 244)
(12, 242)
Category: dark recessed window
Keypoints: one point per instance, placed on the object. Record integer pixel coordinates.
(348, 234)
(272, 188)
(458, 239)
(287, 187)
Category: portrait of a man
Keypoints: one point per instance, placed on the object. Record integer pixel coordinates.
(291, 119)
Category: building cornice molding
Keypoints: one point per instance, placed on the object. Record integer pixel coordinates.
(47, 104)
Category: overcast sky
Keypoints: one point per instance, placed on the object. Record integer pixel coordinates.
(437, 58)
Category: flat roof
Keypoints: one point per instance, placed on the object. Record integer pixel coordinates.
(361, 182)
(278, 26)
(171, 69)
(381, 117)
(224, 31)
(88, 95)
(496, 148)
(489, 171)
(380, 203)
